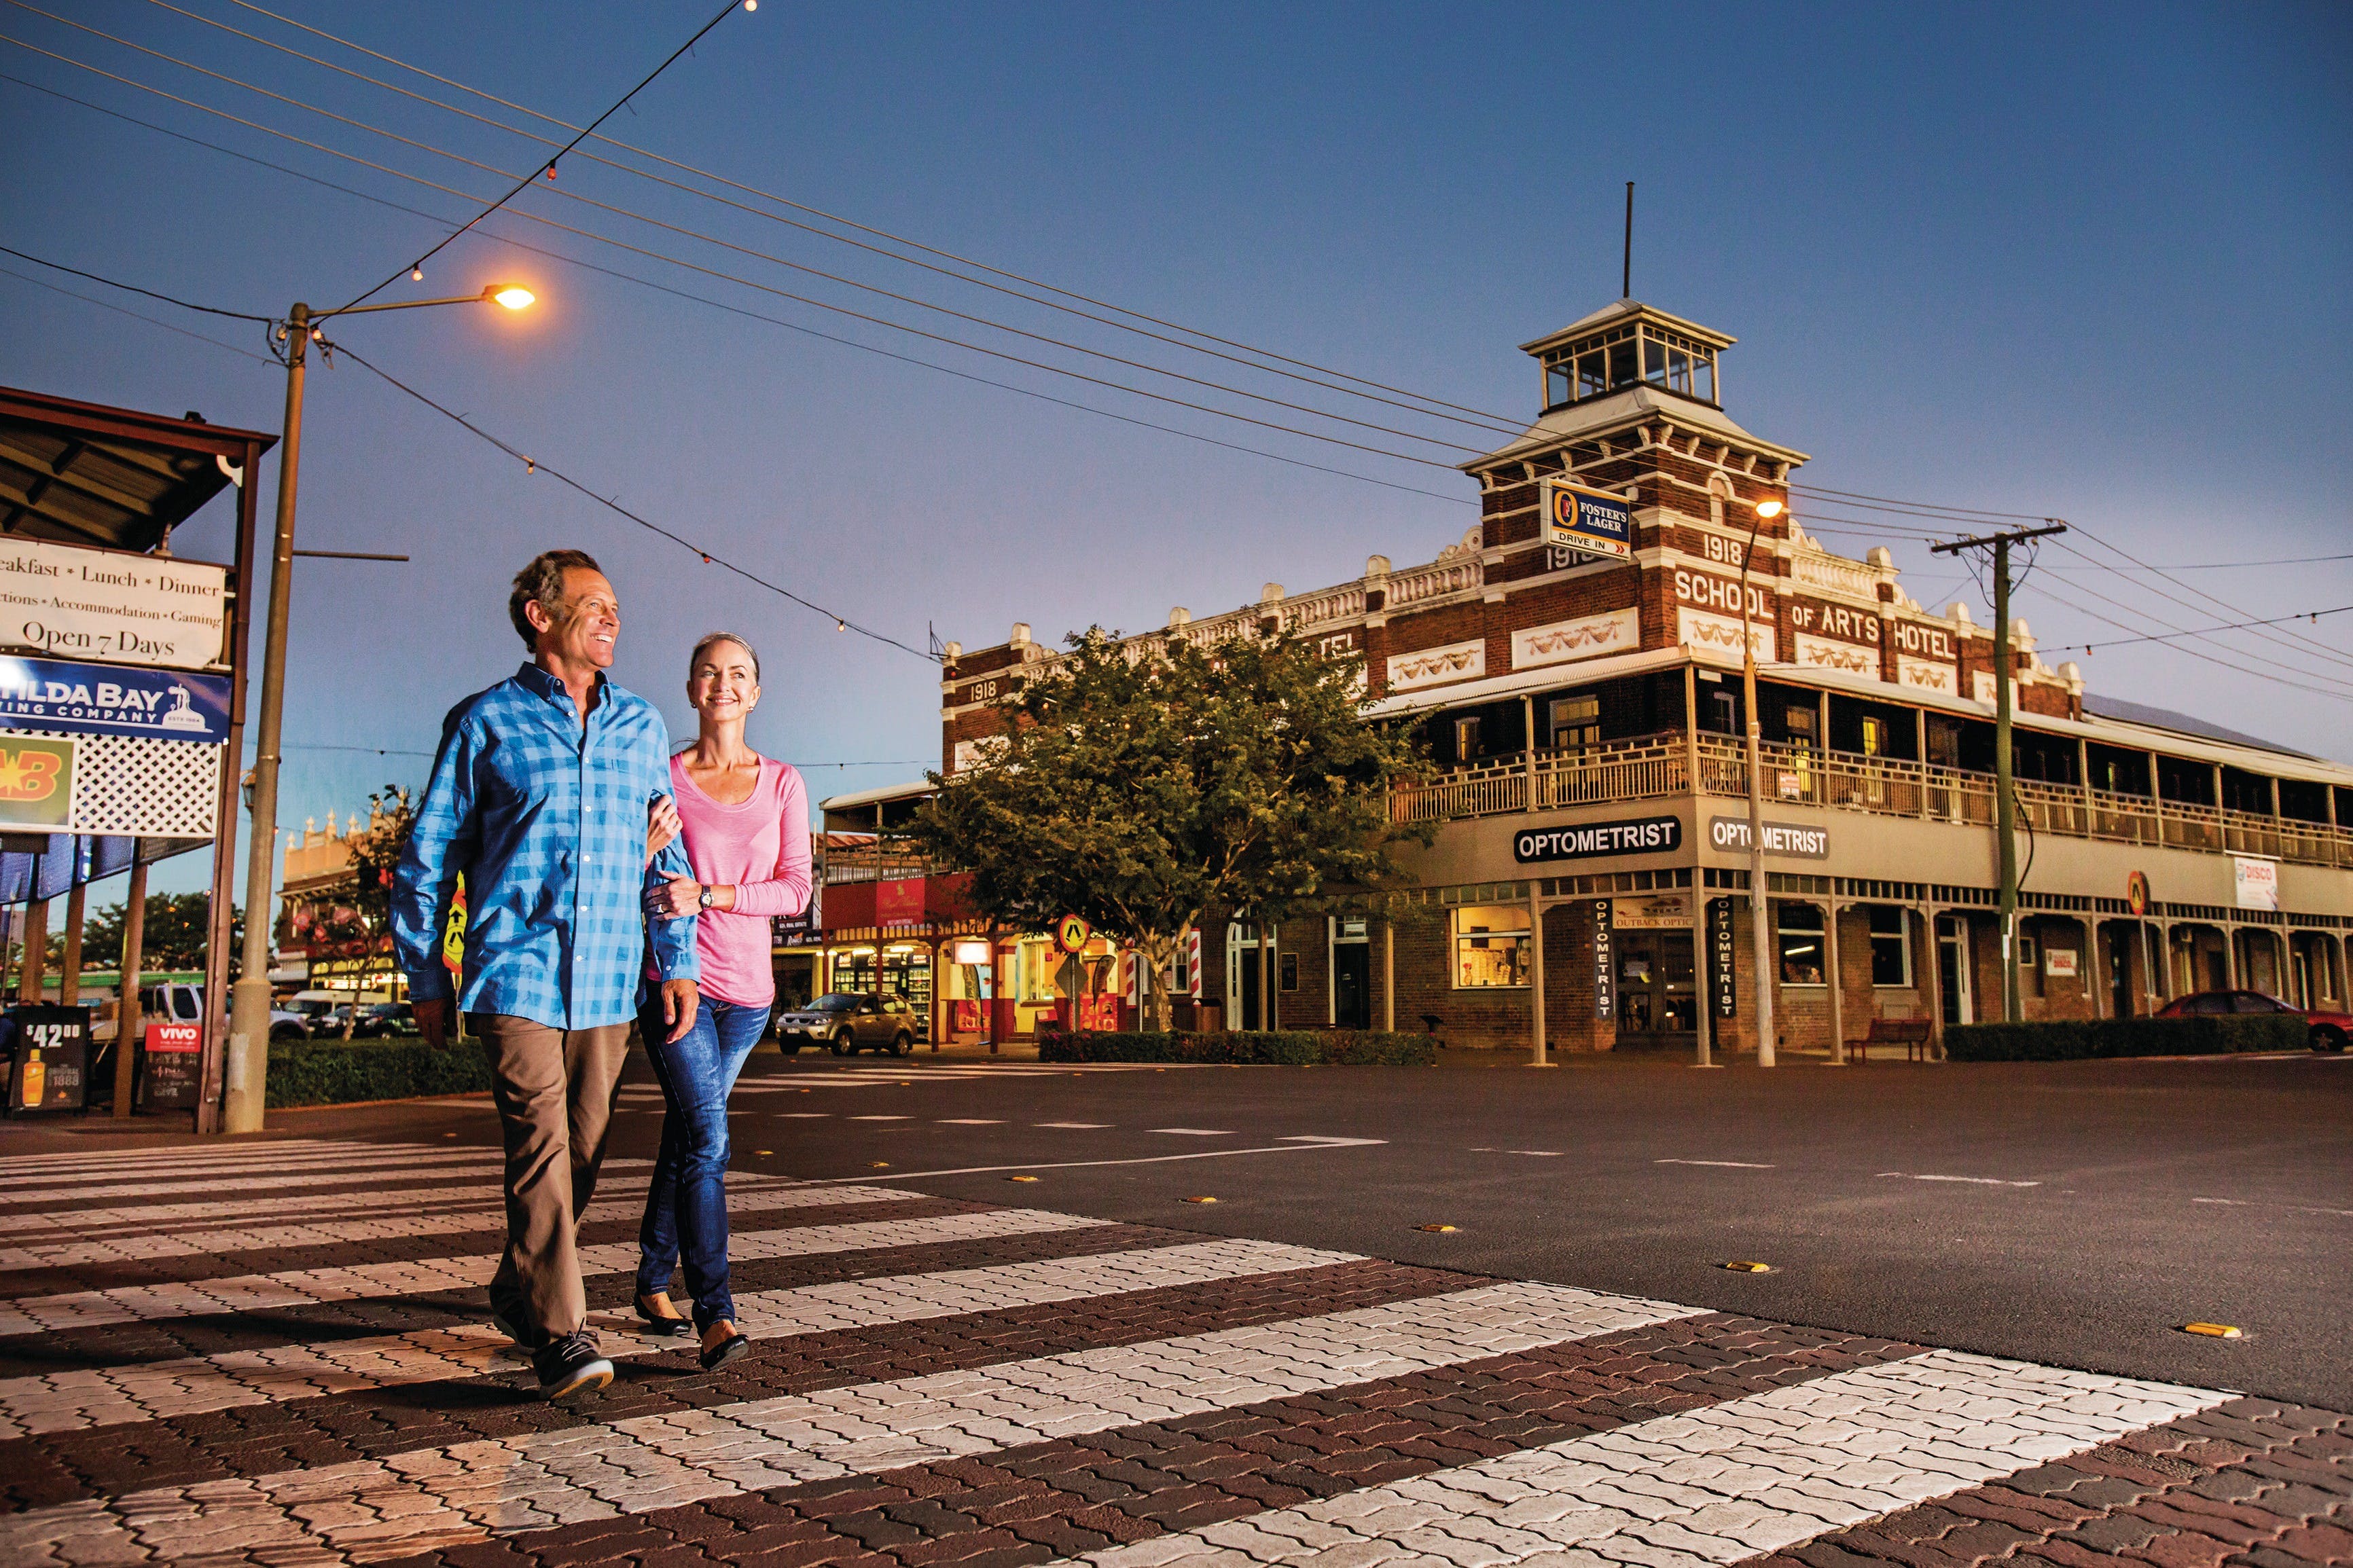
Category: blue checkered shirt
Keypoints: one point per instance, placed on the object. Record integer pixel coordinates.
(545, 817)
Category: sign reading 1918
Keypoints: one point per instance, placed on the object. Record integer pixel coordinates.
(1593, 522)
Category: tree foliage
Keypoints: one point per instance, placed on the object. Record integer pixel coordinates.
(173, 938)
(392, 815)
(1141, 786)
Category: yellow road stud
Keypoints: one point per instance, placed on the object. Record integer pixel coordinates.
(2212, 1330)
(1020, 1178)
(1200, 1199)
(1744, 1265)
(877, 1164)
(1438, 1228)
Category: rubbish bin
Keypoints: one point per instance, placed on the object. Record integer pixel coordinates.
(48, 1052)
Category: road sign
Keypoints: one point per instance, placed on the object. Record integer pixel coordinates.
(1593, 522)
(2137, 892)
(1071, 934)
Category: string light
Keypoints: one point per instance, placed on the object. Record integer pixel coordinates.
(416, 275)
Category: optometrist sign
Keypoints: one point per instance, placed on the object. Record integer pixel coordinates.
(1633, 835)
(1593, 522)
(111, 606)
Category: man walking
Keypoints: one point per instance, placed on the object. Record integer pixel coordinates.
(539, 800)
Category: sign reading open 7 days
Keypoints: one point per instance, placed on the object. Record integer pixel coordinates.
(111, 606)
(1593, 522)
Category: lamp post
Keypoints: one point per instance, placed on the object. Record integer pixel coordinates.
(1758, 906)
(248, 1026)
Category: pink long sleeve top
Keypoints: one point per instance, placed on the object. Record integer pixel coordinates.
(760, 848)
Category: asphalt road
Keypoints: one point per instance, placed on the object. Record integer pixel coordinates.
(2076, 1213)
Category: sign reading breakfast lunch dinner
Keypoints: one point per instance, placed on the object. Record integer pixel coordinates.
(112, 606)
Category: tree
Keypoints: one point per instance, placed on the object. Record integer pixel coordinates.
(174, 938)
(392, 815)
(1140, 786)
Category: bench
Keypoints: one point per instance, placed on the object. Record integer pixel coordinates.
(1913, 1033)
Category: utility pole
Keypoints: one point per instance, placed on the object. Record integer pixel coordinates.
(2004, 803)
(1759, 918)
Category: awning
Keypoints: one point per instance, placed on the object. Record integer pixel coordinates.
(81, 473)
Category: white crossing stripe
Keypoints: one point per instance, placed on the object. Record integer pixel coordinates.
(197, 1159)
(72, 1400)
(456, 1165)
(1708, 1489)
(422, 1500)
(304, 1286)
(385, 1220)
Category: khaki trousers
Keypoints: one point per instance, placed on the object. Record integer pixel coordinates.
(554, 1090)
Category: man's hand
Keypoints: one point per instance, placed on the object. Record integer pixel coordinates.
(433, 1021)
(661, 827)
(675, 899)
(680, 999)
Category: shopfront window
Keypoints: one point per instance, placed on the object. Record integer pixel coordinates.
(1576, 723)
(1802, 949)
(1491, 947)
(1891, 947)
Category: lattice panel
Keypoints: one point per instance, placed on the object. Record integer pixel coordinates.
(133, 785)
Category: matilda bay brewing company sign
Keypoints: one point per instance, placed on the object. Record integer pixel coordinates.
(111, 606)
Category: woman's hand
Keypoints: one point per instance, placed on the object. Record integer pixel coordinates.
(674, 899)
(662, 825)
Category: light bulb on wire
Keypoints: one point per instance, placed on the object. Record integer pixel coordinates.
(416, 275)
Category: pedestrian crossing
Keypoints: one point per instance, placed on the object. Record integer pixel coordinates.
(932, 1380)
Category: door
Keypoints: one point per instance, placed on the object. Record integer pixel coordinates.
(1352, 985)
(1953, 971)
(1657, 1004)
(868, 1025)
(2119, 971)
(1242, 977)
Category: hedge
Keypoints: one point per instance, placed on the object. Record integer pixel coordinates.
(2076, 1039)
(336, 1072)
(1330, 1047)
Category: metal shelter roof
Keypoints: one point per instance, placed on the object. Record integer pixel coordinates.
(82, 473)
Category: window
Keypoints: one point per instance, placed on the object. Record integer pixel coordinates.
(1576, 723)
(1874, 735)
(1801, 944)
(1724, 713)
(1800, 722)
(1621, 363)
(1891, 946)
(2028, 959)
(1592, 374)
(1491, 946)
(1556, 383)
(1654, 360)
(1286, 966)
(1466, 740)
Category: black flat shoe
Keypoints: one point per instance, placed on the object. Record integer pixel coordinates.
(723, 1353)
(671, 1327)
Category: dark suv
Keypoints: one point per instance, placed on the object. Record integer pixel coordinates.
(847, 1022)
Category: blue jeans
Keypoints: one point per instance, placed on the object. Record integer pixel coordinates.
(686, 1208)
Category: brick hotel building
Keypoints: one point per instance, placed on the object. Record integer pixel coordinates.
(1588, 883)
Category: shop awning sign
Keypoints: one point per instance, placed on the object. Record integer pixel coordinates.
(1594, 522)
(54, 694)
(36, 782)
(1584, 840)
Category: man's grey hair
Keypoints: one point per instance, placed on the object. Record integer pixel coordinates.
(703, 647)
(543, 580)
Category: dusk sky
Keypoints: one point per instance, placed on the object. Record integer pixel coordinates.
(2086, 263)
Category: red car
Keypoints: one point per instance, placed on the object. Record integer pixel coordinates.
(2330, 1031)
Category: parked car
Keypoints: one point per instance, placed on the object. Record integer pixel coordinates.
(2328, 1031)
(176, 1003)
(382, 1020)
(847, 1022)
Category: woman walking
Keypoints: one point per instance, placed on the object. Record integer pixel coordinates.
(745, 820)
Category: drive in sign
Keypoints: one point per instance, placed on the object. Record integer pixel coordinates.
(1594, 521)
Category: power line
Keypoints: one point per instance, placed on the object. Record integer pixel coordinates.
(2233, 626)
(550, 167)
(150, 293)
(663, 288)
(1506, 422)
(135, 315)
(744, 281)
(1490, 423)
(533, 465)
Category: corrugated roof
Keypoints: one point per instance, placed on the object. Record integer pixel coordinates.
(81, 473)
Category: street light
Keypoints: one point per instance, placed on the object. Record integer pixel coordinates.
(249, 1028)
(1766, 510)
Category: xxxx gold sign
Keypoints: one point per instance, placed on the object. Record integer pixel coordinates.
(36, 781)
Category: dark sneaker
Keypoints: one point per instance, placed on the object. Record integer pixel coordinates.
(508, 1326)
(571, 1366)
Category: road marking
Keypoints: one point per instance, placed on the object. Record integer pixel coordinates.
(1968, 1181)
(2290, 1208)
(419, 1501)
(881, 1118)
(803, 1115)
(1141, 1160)
(1727, 1164)
(1195, 1131)
(188, 1386)
(1077, 1126)
(1713, 1486)
(299, 1287)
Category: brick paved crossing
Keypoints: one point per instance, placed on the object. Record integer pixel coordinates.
(279, 1354)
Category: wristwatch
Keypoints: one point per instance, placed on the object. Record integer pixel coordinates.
(703, 899)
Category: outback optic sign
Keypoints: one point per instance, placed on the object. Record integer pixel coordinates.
(110, 606)
(1635, 835)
